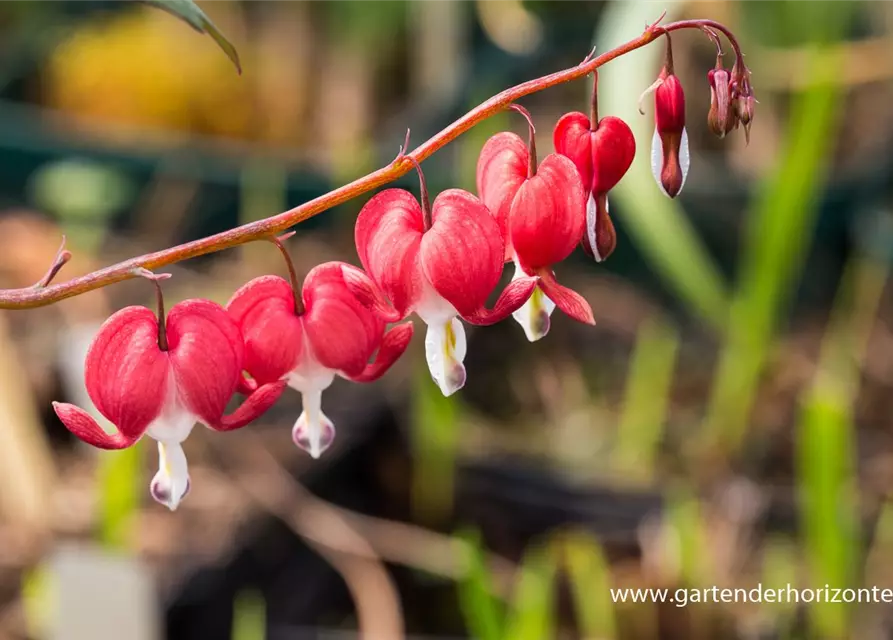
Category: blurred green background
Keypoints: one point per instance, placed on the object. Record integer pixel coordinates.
(726, 423)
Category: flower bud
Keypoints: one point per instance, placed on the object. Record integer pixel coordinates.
(722, 117)
(669, 145)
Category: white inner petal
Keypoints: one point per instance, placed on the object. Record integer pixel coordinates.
(432, 308)
(445, 348)
(591, 219)
(175, 422)
(534, 315)
(684, 157)
(171, 484)
(657, 159)
(172, 426)
(313, 431)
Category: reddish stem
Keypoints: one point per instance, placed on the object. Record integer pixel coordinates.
(423, 195)
(292, 274)
(37, 297)
(710, 24)
(61, 259)
(159, 299)
(593, 107)
(531, 139)
(668, 64)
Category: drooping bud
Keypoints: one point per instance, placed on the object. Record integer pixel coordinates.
(669, 145)
(744, 102)
(721, 118)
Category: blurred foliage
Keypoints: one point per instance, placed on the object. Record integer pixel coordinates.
(366, 24)
(436, 430)
(249, 616)
(779, 229)
(531, 614)
(640, 429)
(192, 15)
(483, 612)
(590, 578)
(121, 485)
(136, 67)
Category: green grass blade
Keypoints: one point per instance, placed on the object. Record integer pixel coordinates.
(780, 569)
(590, 581)
(825, 464)
(647, 395)
(249, 616)
(482, 611)
(532, 614)
(435, 435)
(121, 486)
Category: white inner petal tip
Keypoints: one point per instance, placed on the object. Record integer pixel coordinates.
(534, 315)
(445, 347)
(591, 228)
(657, 159)
(313, 432)
(684, 158)
(171, 483)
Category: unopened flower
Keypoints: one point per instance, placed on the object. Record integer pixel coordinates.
(744, 103)
(306, 337)
(721, 118)
(158, 376)
(542, 210)
(669, 145)
(442, 262)
(602, 150)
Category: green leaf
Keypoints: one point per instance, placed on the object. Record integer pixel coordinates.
(647, 395)
(590, 580)
(481, 610)
(827, 481)
(435, 437)
(120, 486)
(191, 14)
(249, 616)
(533, 611)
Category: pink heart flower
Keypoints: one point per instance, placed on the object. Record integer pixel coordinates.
(442, 262)
(308, 338)
(602, 150)
(148, 375)
(542, 211)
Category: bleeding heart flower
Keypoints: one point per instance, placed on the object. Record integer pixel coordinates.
(602, 150)
(543, 211)
(442, 262)
(156, 376)
(308, 335)
(669, 145)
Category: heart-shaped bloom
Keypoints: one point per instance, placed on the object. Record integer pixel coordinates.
(161, 377)
(308, 338)
(602, 150)
(543, 213)
(669, 145)
(442, 262)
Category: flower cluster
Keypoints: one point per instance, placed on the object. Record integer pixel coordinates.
(158, 375)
